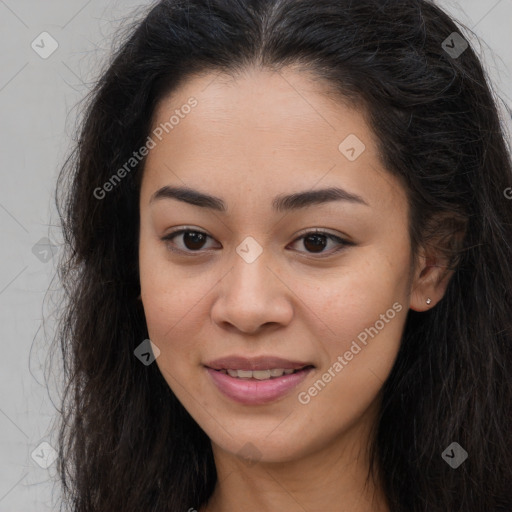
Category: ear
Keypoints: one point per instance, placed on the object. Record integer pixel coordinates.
(431, 278)
(436, 260)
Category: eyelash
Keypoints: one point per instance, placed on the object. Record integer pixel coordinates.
(343, 243)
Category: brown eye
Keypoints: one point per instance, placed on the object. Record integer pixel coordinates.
(192, 240)
(316, 241)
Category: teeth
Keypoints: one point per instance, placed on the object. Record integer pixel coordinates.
(258, 374)
(277, 372)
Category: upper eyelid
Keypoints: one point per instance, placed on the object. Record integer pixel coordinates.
(307, 231)
(341, 240)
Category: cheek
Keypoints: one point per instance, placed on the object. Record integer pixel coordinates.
(171, 311)
(169, 292)
(171, 317)
(360, 324)
(165, 299)
(176, 301)
(365, 313)
(362, 290)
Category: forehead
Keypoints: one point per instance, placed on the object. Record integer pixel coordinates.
(264, 132)
(258, 101)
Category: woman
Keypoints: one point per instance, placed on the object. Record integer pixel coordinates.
(288, 266)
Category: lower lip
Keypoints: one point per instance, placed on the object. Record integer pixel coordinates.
(256, 392)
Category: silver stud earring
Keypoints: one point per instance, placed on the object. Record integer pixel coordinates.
(429, 300)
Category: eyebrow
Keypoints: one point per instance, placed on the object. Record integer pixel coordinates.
(280, 203)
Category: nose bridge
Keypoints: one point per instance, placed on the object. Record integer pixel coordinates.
(250, 295)
(250, 267)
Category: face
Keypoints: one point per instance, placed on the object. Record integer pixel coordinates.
(243, 282)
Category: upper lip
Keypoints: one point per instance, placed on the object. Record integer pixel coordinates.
(255, 363)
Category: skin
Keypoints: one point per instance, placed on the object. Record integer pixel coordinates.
(247, 141)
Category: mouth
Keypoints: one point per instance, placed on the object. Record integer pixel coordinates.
(259, 380)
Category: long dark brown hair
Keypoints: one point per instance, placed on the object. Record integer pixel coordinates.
(125, 442)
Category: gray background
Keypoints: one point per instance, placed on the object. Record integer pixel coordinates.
(38, 106)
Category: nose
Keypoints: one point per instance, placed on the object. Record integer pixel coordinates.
(252, 297)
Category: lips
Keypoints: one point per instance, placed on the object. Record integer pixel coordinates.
(256, 363)
(252, 392)
(229, 375)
